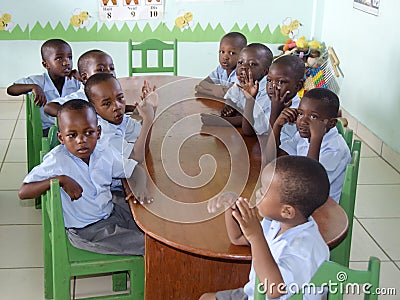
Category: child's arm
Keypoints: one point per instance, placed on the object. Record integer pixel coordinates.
(250, 90)
(264, 264)
(135, 186)
(52, 108)
(20, 88)
(317, 132)
(35, 189)
(288, 115)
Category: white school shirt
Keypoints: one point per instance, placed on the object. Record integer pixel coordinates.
(122, 138)
(220, 76)
(51, 92)
(79, 94)
(298, 253)
(334, 155)
(95, 180)
(262, 106)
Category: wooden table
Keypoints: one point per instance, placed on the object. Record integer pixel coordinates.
(184, 259)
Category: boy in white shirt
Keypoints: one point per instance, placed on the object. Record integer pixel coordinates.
(287, 248)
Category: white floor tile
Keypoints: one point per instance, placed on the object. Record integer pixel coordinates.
(367, 151)
(94, 286)
(22, 114)
(7, 127)
(19, 284)
(17, 151)
(3, 148)
(389, 278)
(363, 246)
(15, 211)
(374, 170)
(5, 97)
(23, 246)
(9, 110)
(12, 175)
(20, 130)
(385, 232)
(377, 201)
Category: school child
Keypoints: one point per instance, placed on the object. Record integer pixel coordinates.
(89, 63)
(317, 136)
(85, 168)
(250, 94)
(219, 80)
(284, 81)
(125, 134)
(56, 82)
(286, 247)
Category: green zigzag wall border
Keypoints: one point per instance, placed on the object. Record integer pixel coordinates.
(100, 32)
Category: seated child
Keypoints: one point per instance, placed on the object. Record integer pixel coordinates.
(57, 82)
(286, 247)
(250, 97)
(125, 134)
(85, 168)
(284, 80)
(317, 136)
(219, 80)
(89, 63)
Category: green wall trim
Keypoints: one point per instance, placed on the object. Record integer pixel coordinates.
(100, 32)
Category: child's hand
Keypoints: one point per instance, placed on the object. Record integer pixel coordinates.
(317, 128)
(74, 74)
(279, 98)
(229, 111)
(137, 185)
(70, 186)
(225, 200)
(248, 219)
(288, 115)
(248, 85)
(40, 97)
(145, 109)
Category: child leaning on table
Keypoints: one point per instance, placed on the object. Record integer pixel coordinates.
(85, 169)
(219, 80)
(317, 136)
(286, 247)
(126, 135)
(56, 82)
(89, 63)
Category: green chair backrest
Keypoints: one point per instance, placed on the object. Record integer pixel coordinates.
(346, 133)
(341, 253)
(342, 281)
(34, 132)
(160, 47)
(52, 135)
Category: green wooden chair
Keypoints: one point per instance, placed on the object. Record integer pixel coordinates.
(155, 45)
(34, 134)
(63, 261)
(340, 276)
(341, 253)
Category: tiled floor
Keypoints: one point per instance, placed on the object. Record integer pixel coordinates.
(375, 233)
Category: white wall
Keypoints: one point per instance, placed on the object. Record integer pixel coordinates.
(368, 48)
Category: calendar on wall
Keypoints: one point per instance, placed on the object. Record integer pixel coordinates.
(113, 10)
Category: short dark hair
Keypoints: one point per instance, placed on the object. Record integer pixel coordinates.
(327, 97)
(266, 52)
(295, 63)
(51, 44)
(85, 57)
(304, 183)
(76, 105)
(96, 79)
(238, 37)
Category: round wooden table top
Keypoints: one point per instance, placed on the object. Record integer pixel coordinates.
(190, 163)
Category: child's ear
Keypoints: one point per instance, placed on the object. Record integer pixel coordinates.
(299, 85)
(44, 64)
(288, 212)
(332, 123)
(60, 138)
(84, 77)
(98, 131)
